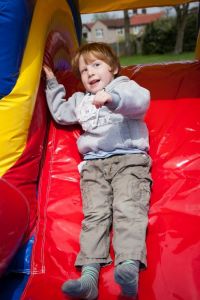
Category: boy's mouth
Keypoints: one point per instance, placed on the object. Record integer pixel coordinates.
(94, 81)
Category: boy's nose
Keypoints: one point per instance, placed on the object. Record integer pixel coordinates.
(90, 72)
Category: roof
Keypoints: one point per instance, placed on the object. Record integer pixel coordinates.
(135, 20)
(88, 25)
(142, 19)
(113, 23)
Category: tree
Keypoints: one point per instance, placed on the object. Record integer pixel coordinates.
(103, 16)
(181, 18)
(127, 33)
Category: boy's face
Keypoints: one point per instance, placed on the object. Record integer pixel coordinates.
(95, 74)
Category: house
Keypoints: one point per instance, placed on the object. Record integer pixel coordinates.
(139, 22)
(112, 30)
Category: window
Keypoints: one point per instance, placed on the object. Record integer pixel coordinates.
(99, 33)
(120, 31)
(85, 35)
(136, 29)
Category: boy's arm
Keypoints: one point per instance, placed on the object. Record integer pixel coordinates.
(129, 99)
(101, 98)
(61, 110)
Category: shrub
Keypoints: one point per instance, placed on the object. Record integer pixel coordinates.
(159, 37)
(191, 32)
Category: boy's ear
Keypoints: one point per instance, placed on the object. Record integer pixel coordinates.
(116, 70)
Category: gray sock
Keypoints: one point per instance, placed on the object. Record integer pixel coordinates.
(126, 275)
(86, 287)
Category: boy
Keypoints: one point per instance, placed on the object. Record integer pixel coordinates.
(115, 173)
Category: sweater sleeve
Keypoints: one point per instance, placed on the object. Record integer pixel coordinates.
(130, 99)
(62, 110)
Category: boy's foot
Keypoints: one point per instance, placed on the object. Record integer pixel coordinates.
(86, 287)
(126, 275)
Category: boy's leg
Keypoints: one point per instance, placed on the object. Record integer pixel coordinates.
(86, 287)
(131, 190)
(95, 236)
(126, 275)
(97, 207)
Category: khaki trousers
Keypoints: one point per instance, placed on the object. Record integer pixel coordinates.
(115, 191)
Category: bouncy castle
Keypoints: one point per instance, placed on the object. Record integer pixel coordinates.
(40, 202)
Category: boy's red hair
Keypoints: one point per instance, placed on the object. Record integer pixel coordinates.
(98, 50)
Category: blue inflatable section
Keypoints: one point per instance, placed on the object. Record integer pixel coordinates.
(21, 261)
(15, 19)
(12, 284)
(77, 19)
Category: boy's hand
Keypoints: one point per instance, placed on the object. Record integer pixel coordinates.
(48, 72)
(101, 98)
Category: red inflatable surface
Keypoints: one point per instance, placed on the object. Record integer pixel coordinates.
(14, 214)
(173, 241)
(28, 165)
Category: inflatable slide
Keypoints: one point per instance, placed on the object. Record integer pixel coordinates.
(40, 201)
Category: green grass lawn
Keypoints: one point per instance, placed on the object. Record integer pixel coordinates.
(155, 58)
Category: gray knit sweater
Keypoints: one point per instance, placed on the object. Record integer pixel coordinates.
(117, 125)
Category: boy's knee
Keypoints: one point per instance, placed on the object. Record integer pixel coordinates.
(99, 218)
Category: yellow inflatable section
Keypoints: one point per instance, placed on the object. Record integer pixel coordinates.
(88, 6)
(16, 109)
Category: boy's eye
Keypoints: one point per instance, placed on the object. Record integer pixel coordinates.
(83, 71)
(97, 64)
